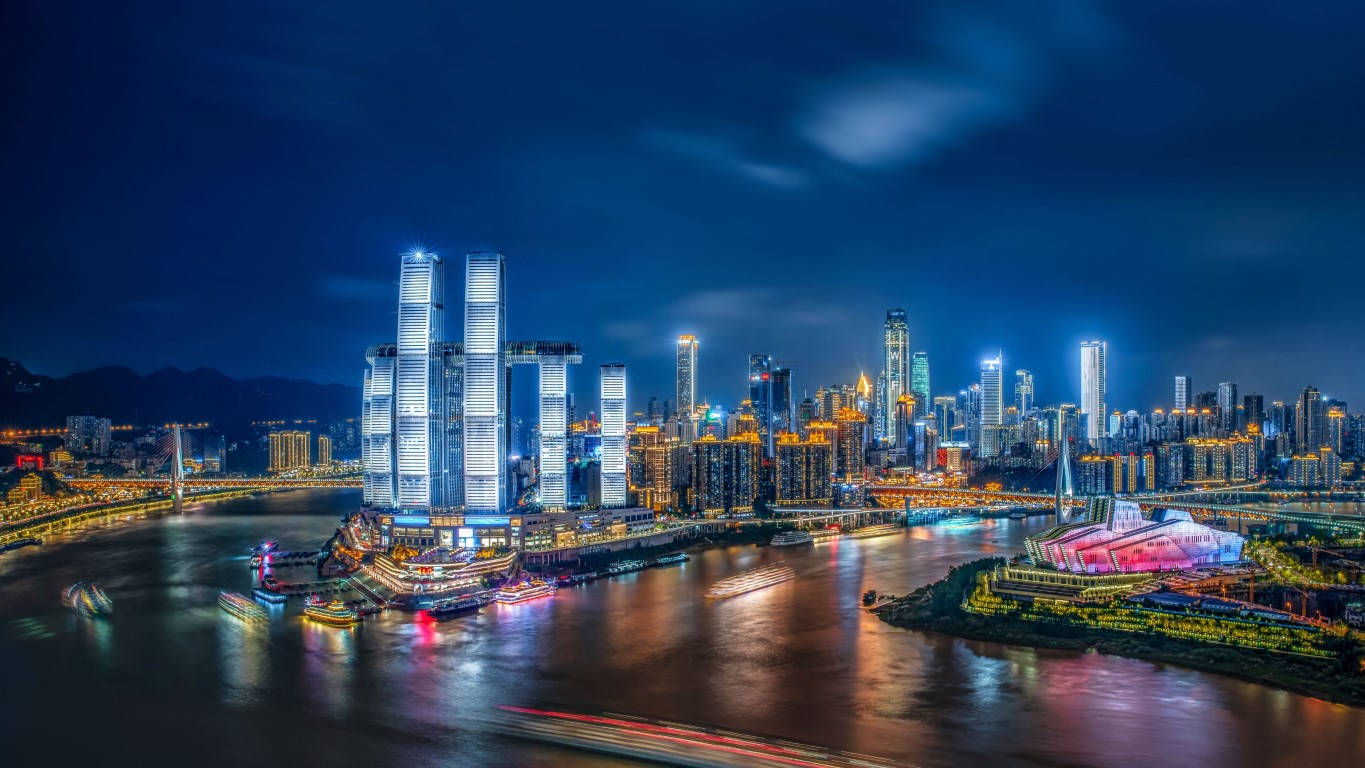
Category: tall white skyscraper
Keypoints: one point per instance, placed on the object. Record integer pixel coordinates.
(420, 306)
(687, 377)
(485, 407)
(1092, 388)
(895, 368)
(1023, 391)
(1184, 393)
(919, 382)
(613, 435)
(992, 397)
(376, 428)
(554, 423)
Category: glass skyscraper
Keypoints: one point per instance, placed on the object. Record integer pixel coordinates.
(919, 382)
(687, 382)
(896, 367)
(613, 435)
(485, 409)
(1092, 388)
(761, 398)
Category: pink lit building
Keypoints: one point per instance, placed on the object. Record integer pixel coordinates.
(1115, 538)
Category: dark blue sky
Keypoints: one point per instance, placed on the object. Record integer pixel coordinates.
(188, 185)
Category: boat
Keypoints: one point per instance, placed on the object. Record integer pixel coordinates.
(87, 599)
(526, 590)
(1018, 515)
(254, 562)
(750, 580)
(268, 595)
(869, 531)
(241, 607)
(791, 539)
(626, 566)
(334, 613)
(28, 541)
(452, 607)
(671, 559)
(263, 548)
(870, 597)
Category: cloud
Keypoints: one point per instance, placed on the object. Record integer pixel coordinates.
(625, 330)
(722, 155)
(344, 287)
(751, 306)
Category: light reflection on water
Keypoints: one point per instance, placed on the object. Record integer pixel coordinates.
(799, 660)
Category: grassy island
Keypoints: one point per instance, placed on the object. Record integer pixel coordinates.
(1326, 664)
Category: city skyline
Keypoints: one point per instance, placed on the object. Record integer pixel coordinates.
(1145, 186)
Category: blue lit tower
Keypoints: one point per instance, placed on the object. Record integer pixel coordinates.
(896, 368)
(485, 405)
(613, 435)
(416, 390)
(761, 398)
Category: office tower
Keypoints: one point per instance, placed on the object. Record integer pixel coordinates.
(919, 382)
(761, 398)
(807, 412)
(1335, 428)
(904, 421)
(289, 450)
(945, 414)
(725, 474)
(1227, 405)
(485, 372)
(896, 365)
(803, 470)
(376, 428)
(992, 399)
(614, 435)
(784, 408)
(851, 428)
(553, 489)
(420, 310)
(971, 410)
(88, 434)
(1184, 393)
(1093, 355)
(1023, 391)
(687, 378)
(1254, 407)
(1308, 417)
(324, 450)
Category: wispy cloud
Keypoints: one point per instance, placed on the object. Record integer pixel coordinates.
(345, 287)
(724, 155)
(746, 306)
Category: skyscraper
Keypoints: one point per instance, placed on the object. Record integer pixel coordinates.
(420, 311)
(554, 428)
(784, 413)
(761, 398)
(614, 435)
(1308, 416)
(1227, 405)
(992, 396)
(896, 365)
(1184, 393)
(1093, 355)
(485, 371)
(1023, 391)
(919, 382)
(687, 384)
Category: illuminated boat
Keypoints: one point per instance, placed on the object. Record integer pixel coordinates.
(268, 595)
(527, 590)
(241, 607)
(334, 613)
(29, 541)
(868, 532)
(87, 599)
(455, 606)
(791, 539)
(758, 578)
(626, 566)
(1017, 515)
(671, 559)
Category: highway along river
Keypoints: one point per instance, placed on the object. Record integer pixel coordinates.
(170, 679)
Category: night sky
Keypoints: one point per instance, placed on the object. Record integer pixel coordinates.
(231, 187)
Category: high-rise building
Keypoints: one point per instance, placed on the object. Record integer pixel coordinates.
(896, 365)
(485, 393)
(687, 383)
(992, 402)
(1023, 391)
(1308, 418)
(919, 382)
(1254, 407)
(902, 436)
(324, 450)
(289, 450)
(945, 414)
(761, 398)
(554, 434)
(420, 311)
(614, 435)
(88, 434)
(803, 470)
(725, 474)
(852, 436)
(1093, 355)
(1184, 393)
(784, 407)
(1335, 429)
(1227, 405)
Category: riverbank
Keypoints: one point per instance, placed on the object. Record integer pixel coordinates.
(938, 607)
(600, 561)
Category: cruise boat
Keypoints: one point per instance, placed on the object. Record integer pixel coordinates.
(527, 590)
(671, 559)
(751, 580)
(791, 538)
(334, 613)
(1018, 515)
(87, 599)
(452, 607)
(241, 607)
(29, 541)
(626, 566)
(868, 532)
(268, 595)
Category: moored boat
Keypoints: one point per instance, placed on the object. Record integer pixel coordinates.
(241, 607)
(791, 538)
(626, 566)
(452, 607)
(1018, 515)
(678, 557)
(28, 541)
(268, 595)
(334, 613)
(527, 590)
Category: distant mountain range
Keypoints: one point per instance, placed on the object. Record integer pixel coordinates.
(170, 394)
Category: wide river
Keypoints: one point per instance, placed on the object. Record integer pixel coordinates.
(171, 680)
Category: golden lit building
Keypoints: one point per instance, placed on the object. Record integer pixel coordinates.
(324, 450)
(289, 450)
(804, 469)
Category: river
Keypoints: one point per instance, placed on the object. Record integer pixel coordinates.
(169, 679)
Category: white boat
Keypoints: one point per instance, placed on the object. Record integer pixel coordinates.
(791, 538)
(527, 590)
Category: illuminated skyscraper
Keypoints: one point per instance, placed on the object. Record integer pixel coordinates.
(324, 450)
(485, 372)
(614, 435)
(687, 383)
(1227, 405)
(992, 394)
(1093, 388)
(554, 427)
(761, 398)
(1184, 393)
(289, 450)
(896, 366)
(1023, 391)
(919, 382)
(784, 407)
(1308, 417)
(420, 312)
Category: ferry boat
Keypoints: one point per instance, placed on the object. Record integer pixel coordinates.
(1018, 515)
(452, 607)
(671, 559)
(869, 531)
(791, 539)
(241, 607)
(626, 566)
(268, 595)
(87, 599)
(751, 580)
(29, 541)
(334, 613)
(527, 590)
